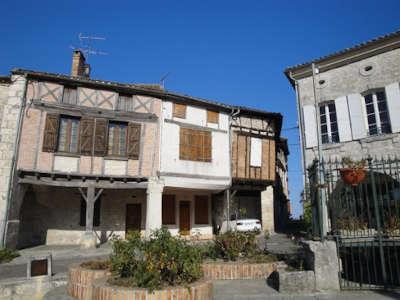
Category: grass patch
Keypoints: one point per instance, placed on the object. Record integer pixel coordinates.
(96, 265)
(7, 255)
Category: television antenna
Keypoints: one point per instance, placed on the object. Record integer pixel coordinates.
(86, 45)
(164, 78)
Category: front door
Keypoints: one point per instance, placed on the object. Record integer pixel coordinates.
(184, 217)
(133, 217)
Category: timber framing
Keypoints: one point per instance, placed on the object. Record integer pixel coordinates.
(196, 127)
(58, 179)
(79, 111)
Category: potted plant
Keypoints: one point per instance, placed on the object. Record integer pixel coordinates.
(353, 172)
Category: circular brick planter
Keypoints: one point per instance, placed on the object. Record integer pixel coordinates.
(80, 281)
(237, 270)
(200, 290)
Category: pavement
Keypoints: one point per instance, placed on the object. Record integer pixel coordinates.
(62, 256)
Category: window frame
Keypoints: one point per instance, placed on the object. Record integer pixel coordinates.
(75, 101)
(328, 123)
(193, 135)
(69, 135)
(376, 112)
(112, 154)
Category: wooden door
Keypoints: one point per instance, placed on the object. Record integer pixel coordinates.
(184, 217)
(133, 217)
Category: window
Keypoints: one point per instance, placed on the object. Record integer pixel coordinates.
(377, 113)
(195, 145)
(255, 152)
(168, 209)
(125, 103)
(96, 212)
(212, 116)
(201, 209)
(117, 133)
(179, 111)
(329, 126)
(69, 95)
(68, 134)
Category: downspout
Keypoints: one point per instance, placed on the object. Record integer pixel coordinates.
(232, 116)
(301, 128)
(14, 160)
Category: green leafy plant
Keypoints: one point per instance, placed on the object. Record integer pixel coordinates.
(7, 255)
(353, 164)
(156, 262)
(233, 244)
(392, 224)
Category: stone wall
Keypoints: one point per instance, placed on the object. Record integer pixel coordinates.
(8, 133)
(348, 80)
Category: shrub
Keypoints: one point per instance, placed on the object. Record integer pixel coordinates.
(159, 261)
(232, 245)
(7, 255)
(96, 264)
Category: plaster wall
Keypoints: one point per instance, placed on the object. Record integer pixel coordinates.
(207, 174)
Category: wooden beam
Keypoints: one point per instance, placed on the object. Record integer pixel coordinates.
(83, 184)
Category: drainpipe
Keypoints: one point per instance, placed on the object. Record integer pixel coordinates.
(232, 116)
(14, 161)
(301, 128)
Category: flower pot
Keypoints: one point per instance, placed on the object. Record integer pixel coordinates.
(352, 176)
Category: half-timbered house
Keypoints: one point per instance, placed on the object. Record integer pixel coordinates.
(88, 159)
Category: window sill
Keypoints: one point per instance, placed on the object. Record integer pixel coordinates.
(196, 161)
(331, 146)
(69, 154)
(116, 158)
(377, 137)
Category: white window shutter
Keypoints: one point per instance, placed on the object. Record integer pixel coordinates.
(255, 152)
(358, 127)
(343, 119)
(393, 102)
(310, 126)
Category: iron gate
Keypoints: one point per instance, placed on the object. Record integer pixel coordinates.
(363, 219)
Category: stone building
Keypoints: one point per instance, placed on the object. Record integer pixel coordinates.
(85, 159)
(357, 105)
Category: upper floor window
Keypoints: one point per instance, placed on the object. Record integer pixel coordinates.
(68, 134)
(117, 137)
(125, 102)
(179, 111)
(329, 126)
(377, 113)
(195, 145)
(212, 116)
(70, 95)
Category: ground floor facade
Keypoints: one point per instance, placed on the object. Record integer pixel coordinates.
(47, 211)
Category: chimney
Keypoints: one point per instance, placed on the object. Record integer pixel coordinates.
(79, 66)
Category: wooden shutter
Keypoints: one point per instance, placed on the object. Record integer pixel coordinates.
(50, 133)
(179, 111)
(212, 116)
(310, 126)
(168, 209)
(358, 127)
(184, 146)
(86, 136)
(201, 209)
(207, 146)
(100, 137)
(343, 119)
(393, 103)
(195, 145)
(133, 146)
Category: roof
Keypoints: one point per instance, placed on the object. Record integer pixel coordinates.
(283, 143)
(5, 79)
(149, 90)
(357, 52)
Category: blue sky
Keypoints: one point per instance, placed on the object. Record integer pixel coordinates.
(230, 51)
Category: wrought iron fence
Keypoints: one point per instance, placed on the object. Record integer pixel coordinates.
(363, 218)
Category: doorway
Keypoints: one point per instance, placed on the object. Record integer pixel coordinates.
(184, 217)
(133, 217)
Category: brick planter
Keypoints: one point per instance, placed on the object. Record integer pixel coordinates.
(237, 270)
(80, 281)
(200, 290)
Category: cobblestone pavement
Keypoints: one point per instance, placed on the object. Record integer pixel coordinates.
(258, 289)
(63, 256)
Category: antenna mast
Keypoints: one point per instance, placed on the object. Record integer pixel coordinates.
(86, 45)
